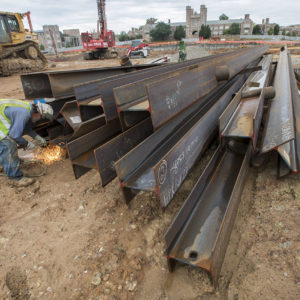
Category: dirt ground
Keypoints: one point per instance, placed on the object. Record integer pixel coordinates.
(72, 239)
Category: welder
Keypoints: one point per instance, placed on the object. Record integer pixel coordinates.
(16, 119)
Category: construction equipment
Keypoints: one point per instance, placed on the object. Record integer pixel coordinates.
(138, 48)
(103, 46)
(19, 48)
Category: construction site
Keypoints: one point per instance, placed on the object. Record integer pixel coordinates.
(170, 170)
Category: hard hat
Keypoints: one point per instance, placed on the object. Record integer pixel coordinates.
(45, 110)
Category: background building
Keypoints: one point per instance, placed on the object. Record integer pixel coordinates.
(69, 38)
(292, 30)
(266, 25)
(72, 38)
(195, 20)
(45, 37)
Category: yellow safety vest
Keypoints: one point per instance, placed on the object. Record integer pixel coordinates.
(5, 123)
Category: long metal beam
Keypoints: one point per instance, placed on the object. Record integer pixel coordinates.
(242, 117)
(107, 154)
(100, 148)
(161, 163)
(282, 127)
(101, 90)
(81, 150)
(165, 95)
(168, 97)
(59, 84)
(200, 233)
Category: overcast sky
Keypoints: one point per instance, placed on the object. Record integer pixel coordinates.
(122, 15)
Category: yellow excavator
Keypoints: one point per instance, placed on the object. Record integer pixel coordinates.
(19, 47)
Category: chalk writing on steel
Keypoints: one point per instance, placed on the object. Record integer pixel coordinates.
(162, 172)
(176, 164)
(176, 183)
(178, 170)
(171, 101)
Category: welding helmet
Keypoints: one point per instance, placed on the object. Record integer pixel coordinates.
(45, 110)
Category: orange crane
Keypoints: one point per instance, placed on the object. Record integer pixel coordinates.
(103, 45)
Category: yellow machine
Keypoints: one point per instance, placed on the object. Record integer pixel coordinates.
(19, 47)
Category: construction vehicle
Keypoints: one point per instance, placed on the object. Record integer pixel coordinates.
(19, 47)
(103, 45)
(138, 48)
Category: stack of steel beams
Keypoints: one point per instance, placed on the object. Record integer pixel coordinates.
(200, 233)
(148, 127)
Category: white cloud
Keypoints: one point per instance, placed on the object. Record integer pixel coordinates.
(122, 15)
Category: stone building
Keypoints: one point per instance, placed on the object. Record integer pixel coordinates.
(72, 37)
(266, 25)
(195, 20)
(145, 31)
(45, 37)
(135, 32)
(293, 30)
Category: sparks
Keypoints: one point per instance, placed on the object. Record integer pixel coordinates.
(50, 154)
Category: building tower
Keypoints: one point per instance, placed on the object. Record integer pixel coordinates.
(203, 15)
(189, 13)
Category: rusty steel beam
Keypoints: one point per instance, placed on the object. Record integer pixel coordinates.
(200, 233)
(75, 115)
(242, 117)
(170, 96)
(81, 150)
(282, 130)
(71, 113)
(161, 163)
(59, 84)
(164, 96)
(101, 91)
(110, 152)
(85, 152)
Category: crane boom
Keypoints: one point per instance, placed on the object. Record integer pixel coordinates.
(102, 18)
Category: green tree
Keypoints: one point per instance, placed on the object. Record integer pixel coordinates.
(179, 33)
(205, 31)
(294, 33)
(235, 28)
(123, 36)
(42, 47)
(271, 31)
(151, 21)
(257, 29)
(276, 29)
(161, 32)
(283, 32)
(288, 34)
(223, 17)
(139, 36)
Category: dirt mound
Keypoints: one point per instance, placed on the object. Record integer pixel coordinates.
(20, 65)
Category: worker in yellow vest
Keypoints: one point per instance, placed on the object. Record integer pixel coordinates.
(16, 119)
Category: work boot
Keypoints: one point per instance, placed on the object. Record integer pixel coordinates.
(22, 182)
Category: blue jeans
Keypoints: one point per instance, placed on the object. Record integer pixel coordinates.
(9, 159)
